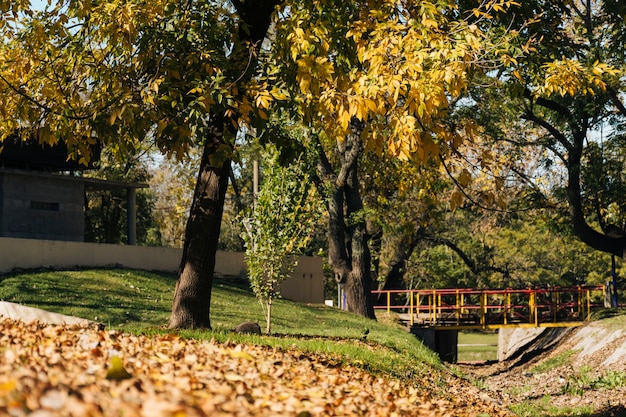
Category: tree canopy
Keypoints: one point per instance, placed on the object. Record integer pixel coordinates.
(565, 98)
(362, 76)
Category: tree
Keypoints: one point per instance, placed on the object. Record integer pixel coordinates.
(123, 72)
(566, 98)
(277, 227)
(186, 74)
(377, 77)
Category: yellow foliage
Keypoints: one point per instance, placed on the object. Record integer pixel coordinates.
(572, 77)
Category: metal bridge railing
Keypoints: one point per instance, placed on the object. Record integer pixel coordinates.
(465, 308)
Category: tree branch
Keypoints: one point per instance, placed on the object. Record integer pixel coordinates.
(471, 264)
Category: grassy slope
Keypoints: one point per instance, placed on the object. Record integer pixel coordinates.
(139, 301)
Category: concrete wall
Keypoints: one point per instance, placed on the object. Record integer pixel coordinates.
(41, 207)
(305, 285)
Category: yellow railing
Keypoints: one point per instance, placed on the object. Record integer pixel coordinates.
(490, 309)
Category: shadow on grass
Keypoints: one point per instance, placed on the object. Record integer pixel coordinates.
(609, 411)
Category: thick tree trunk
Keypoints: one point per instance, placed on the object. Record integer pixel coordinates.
(359, 280)
(338, 244)
(358, 285)
(192, 297)
(349, 253)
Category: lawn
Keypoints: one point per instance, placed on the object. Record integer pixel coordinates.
(140, 302)
(477, 346)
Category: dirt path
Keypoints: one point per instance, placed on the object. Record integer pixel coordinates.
(586, 371)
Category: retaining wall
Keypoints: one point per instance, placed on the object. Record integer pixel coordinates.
(305, 285)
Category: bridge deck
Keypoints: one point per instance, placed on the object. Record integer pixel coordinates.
(463, 308)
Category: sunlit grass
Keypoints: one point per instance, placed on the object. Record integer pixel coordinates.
(140, 302)
(477, 346)
(544, 407)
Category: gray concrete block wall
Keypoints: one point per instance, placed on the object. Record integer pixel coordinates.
(39, 207)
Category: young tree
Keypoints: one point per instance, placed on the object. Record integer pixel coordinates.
(278, 226)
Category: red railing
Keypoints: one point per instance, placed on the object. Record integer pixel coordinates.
(489, 308)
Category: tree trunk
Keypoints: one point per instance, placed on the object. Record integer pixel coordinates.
(358, 286)
(348, 250)
(359, 280)
(192, 297)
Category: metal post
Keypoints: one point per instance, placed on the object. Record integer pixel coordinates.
(483, 306)
(458, 309)
(131, 215)
(411, 308)
(388, 302)
(507, 305)
(439, 304)
(556, 304)
(431, 308)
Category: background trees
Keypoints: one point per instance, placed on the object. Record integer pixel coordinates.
(106, 210)
(364, 77)
(565, 98)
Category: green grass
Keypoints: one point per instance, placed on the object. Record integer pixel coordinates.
(562, 359)
(483, 346)
(140, 302)
(544, 407)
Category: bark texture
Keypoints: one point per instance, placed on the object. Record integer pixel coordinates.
(195, 277)
(192, 297)
(349, 253)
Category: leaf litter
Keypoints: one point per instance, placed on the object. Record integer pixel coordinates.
(52, 370)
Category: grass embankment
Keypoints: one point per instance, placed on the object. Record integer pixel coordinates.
(140, 302)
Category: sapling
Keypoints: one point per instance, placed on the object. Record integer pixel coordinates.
(277, 227)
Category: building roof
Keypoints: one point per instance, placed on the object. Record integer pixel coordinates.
(91, 184)
(32, 155)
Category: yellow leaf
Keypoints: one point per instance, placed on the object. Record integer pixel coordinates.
(116, 370)
(8, 386)
(240, 355)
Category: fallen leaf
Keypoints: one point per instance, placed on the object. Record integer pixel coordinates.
(116, 370)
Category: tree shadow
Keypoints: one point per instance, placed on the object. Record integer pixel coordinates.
(608, 411)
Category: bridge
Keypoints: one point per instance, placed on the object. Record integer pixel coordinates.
(466, 309)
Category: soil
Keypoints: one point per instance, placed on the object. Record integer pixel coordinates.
(586, 370)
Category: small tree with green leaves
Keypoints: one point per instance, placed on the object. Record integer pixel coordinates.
(278, 226)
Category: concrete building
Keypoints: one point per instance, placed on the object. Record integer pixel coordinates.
(43, 197)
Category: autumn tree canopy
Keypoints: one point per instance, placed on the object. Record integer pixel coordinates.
(191, 74)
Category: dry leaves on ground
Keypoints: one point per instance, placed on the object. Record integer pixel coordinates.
(68, 371)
